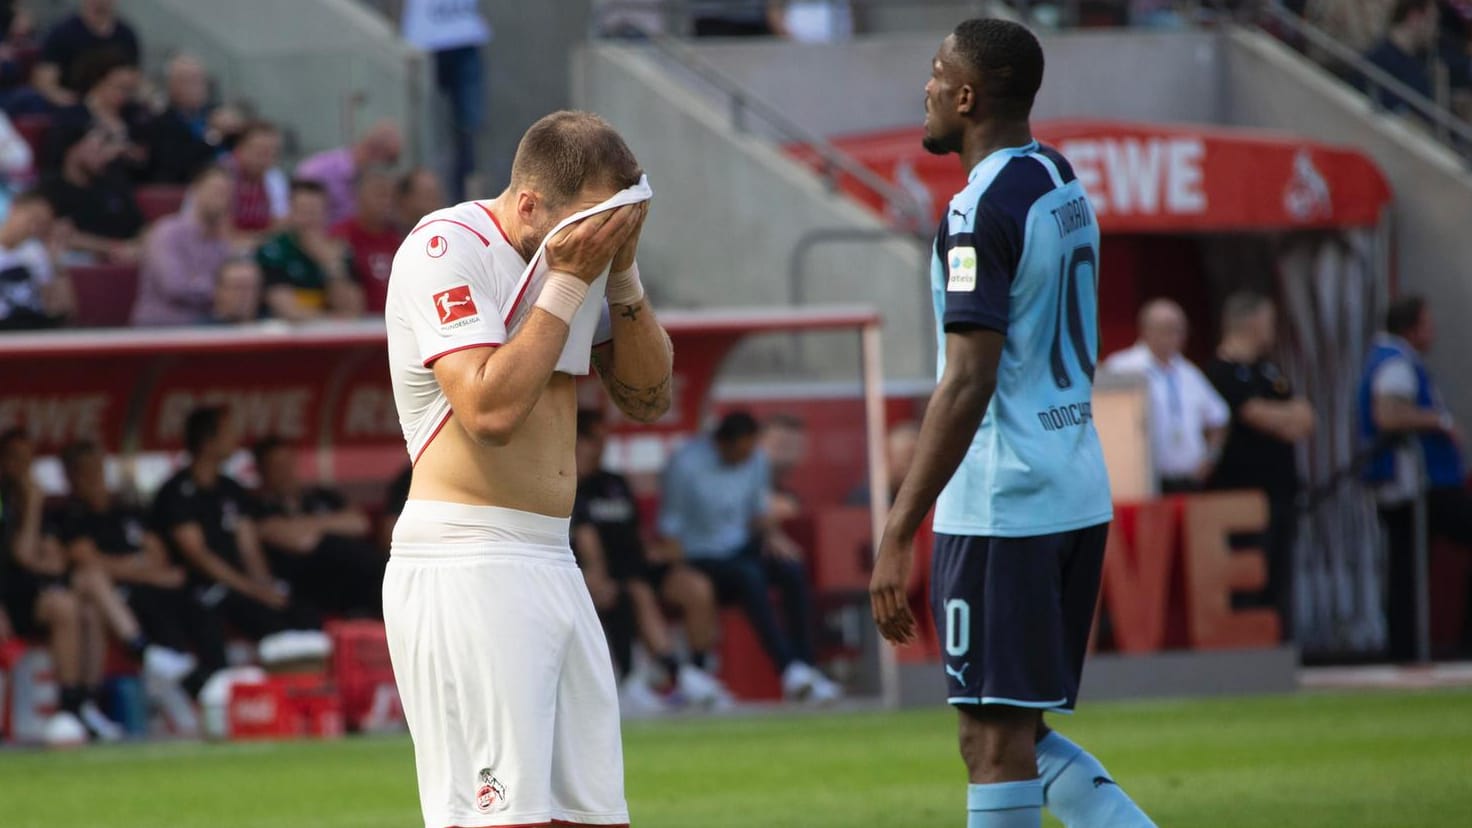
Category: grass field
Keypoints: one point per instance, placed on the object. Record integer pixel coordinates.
(1341, 760)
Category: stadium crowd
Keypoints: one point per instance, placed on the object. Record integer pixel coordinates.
(100, 169)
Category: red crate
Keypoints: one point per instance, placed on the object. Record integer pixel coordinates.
(286, 707)
(364, 675)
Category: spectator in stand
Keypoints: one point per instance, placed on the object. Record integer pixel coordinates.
(899, 455)
(419, 194)
(1419, 455)
(455, 33)
(1358, 25)
(35, 291)
(1402, 53)
(627, 584)
(308, 274)
(95, 196)
(125, 571)
(18, 47)
(732, 18)
(17, 164)
(337, 169)
(1188, 418)
(34, 592)
(318, 544)
(183, 253)
(262, 192)
(372, 236)
(784, 442)
(237, 292)
(1267, 421)
(716, 515)
(109, 85)
(207, 522)
(178, 138)
(95, 27)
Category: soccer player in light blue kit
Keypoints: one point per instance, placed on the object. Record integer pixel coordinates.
(1008, 454)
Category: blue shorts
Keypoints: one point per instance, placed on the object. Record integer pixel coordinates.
(1013, 615)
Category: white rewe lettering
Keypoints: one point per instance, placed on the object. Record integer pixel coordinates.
(1146, 177)
(56, 420)
(370, 412)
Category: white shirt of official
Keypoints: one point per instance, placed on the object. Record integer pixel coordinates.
(1183, 406)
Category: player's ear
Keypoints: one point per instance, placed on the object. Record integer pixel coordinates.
(965, 99)
(526, 205)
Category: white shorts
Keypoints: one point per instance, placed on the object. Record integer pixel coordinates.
(504, 672)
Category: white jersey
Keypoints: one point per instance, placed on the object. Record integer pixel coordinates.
(457, 282)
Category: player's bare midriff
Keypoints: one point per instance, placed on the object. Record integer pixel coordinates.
(534, 472)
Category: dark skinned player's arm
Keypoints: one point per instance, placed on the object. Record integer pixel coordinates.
(951, 419)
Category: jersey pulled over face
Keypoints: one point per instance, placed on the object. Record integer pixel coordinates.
(458, 283)
(1018, 253)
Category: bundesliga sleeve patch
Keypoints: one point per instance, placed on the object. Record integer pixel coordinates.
(455, 307)
(962, 270)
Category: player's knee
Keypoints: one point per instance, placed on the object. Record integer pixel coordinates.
(998, 747)
(688, 588)
(90, 581)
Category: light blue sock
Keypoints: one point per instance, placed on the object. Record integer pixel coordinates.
(1005, 805)
(1080, 792)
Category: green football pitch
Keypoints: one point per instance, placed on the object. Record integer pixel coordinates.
(1314, 759)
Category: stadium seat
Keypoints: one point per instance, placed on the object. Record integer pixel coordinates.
(33, 129)
(105, 294)
(159, 200)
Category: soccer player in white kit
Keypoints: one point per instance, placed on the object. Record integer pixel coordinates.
(499, 657)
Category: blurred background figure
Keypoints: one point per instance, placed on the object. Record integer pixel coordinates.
(308, 274)
(237, 292)
(337, 170)
(419, 194)
(811, 21)
(1188, 418)
(178, 138)
(95, 196)
(456, 34)
(731, 18)
(1419, 454)
(183, 253)
(1268, 421)
(631, 583)
(262, 191)
(35, 291)
(315, 541)
(1403, 51)
(372, 235)
(717, 513)
(94, 27)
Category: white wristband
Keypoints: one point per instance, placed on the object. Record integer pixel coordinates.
(625, 288)
(562, 294)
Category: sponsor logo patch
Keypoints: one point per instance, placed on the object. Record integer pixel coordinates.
(962, 269)
(437, 246)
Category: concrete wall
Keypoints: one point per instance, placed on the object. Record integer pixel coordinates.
(877, 82)
(1269, 86)
(729, 210)
(324, 68)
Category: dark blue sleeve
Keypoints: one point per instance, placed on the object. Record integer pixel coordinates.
(979, 270)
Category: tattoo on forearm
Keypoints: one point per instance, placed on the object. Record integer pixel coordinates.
(645, 404)
(631, 312)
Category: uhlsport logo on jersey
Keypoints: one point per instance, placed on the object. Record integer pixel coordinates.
(963, 269)
(489, 792)
(437, 246)
(455, 307)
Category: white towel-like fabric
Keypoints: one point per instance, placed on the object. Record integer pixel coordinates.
(590, 325)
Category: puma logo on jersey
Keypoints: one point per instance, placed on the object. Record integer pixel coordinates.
(455, 304)
(958, 675)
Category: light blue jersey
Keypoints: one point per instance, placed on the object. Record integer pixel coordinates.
(1018, 252)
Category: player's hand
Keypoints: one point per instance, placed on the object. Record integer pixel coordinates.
(624, 258)
(585, 249)
(887, 590)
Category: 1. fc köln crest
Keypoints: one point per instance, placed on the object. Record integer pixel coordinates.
(489, 792)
